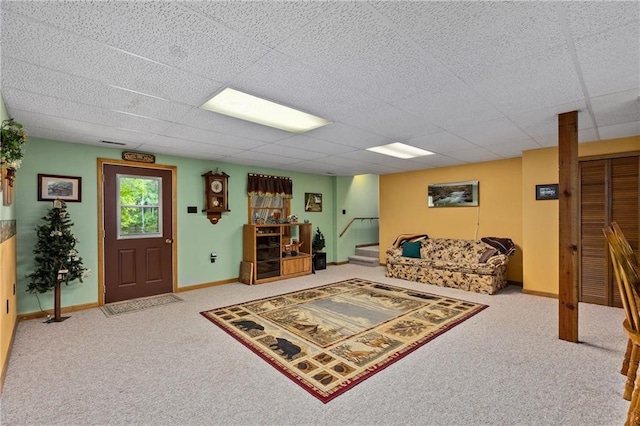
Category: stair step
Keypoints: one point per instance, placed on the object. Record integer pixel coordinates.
(364, 260)
(368, 251)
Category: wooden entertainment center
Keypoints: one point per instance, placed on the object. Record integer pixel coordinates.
(277, 251)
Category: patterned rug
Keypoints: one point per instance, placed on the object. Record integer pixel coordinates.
(330, 338)
(136, 305)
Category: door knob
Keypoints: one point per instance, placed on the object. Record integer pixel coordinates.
(168, 240)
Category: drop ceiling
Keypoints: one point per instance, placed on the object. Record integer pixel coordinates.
(469, 81)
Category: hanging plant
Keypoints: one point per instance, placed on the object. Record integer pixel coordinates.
(11, 145)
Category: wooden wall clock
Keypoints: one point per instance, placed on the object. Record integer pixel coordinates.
(216, 195)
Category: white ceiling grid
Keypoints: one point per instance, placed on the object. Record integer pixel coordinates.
(469, 81)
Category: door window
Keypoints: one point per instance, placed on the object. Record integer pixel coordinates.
(139, 206)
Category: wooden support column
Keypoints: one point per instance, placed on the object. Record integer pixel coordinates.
(568, 205)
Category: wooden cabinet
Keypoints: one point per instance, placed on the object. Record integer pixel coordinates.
(277, 251)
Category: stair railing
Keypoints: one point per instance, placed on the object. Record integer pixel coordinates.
(353, 220)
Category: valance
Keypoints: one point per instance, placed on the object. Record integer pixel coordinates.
(269, 186)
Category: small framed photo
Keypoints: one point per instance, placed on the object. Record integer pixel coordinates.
(54, 187)
(312, 202)
(547, 191)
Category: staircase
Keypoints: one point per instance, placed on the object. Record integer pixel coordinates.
(366, 256)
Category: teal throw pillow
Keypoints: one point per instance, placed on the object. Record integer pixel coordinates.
(411, 249)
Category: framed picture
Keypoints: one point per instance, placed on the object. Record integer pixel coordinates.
(312, 202)
(547, 191)
(53, 187)
(454, 194)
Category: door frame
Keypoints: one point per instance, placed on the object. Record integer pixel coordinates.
(101, 233)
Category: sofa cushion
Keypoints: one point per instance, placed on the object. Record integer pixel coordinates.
(411, 249)
(489, 252)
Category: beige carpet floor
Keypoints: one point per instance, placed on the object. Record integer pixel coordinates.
(169, 365)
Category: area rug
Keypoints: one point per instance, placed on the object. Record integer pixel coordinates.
(136, 305)
(328, 339)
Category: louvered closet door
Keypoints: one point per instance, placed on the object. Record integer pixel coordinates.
(625, 203)
(594, 286)
(608, 192)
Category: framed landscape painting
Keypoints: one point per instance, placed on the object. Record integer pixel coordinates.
(56, 187)
(454, 194)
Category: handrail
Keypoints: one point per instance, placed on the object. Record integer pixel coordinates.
(356, 218)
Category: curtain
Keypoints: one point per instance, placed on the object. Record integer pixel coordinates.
(269, 186)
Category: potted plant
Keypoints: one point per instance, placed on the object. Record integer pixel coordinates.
(318, 241)
(11, 144)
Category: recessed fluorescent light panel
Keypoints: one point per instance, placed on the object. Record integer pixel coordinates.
(251, 108)
(400, 150)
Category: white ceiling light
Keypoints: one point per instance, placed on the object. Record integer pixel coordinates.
(400, 150)
(251, 108)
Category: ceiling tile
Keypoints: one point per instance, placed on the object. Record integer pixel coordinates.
(545, 120)
(164, 32)
(343, 134)
(288, 151)
(81, 112)
(551, 139)
(392, 123)
(617, 108)
(537, 81)
(315, 145)
(441, 142)
(354, 43)
(268, 23)
(84, 139)
(474, 155)
(302, 87)
(58, 50)
(473, 38)
(491, 132)
(591, 17)
(261, 156)
(607, 63)
(449, 107)
(189, 145)
(514, 148)
(37, 80)
(208, 137)
(83, 132)
(220, 123)
(620, 130)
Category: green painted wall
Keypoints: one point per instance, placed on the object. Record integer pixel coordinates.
(358, 196)
(196, 236)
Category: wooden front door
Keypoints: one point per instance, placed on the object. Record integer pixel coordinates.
(138, 235)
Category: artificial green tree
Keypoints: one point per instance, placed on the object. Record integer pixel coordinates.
(318, 242)
(56, 258)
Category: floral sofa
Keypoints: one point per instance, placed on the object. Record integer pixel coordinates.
(464, 264)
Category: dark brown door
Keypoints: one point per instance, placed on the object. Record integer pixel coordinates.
(138, 241)
(609, 192)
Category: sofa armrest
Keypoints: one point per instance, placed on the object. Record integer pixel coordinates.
(498, 260)
(394, 252)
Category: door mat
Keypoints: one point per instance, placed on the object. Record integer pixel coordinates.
(328, 339)
(128, 306)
